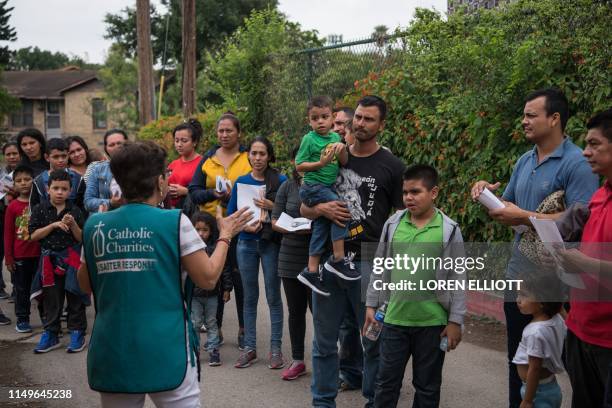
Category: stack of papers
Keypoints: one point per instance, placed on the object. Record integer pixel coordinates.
(291, 224)
(553, 242)
(6, 182)
(246, 194)
(222, 185)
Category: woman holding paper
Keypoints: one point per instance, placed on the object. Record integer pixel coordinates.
(258, 242)
(292, 258)
(228, 160)
(186, 137)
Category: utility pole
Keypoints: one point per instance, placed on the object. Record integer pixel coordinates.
(146, 89)
(189, 57)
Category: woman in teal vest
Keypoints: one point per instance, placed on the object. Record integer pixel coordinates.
(136, 261)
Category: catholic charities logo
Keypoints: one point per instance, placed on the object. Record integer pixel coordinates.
(124, 246)
(97, 241)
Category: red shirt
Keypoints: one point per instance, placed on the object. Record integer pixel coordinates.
(591, 322)
(182, 173)
(17, 242)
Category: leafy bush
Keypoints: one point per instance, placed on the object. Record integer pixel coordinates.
(456, 99)
(160, 131)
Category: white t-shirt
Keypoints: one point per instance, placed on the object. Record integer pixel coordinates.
(543, 340)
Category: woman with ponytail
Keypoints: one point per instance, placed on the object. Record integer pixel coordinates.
(186, 138)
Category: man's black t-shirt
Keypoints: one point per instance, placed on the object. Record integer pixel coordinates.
(371, 186)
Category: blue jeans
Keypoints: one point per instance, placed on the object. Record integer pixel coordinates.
(204, 311)
(249, 254)
(328, 314)
(351, 353)
(311, 195)
(547, 395)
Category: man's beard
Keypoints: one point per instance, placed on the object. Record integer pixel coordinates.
(363, 136)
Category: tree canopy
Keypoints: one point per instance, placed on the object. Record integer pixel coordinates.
(33, 58)
(7, 33)
(215, 21)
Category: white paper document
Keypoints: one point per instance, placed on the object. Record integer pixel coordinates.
(246, 194)
(293, 224)
(6, 182)
(491, 202)
(222, 184)
(551, 239)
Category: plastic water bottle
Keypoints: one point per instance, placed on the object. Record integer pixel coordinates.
(444, 344)
(374, 329)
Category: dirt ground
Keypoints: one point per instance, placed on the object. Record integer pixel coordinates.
(13, 377)
(485, 332)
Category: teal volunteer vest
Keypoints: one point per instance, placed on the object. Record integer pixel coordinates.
(138, 342)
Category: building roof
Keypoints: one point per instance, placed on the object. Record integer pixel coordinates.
(45, 84)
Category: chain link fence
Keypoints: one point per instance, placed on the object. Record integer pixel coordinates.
(330, 70)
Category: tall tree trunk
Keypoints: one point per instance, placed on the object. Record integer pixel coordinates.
(189, 57)
(146, 88)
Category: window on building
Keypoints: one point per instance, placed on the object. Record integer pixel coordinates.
(23, 117)
(98, 112)
(53, 115)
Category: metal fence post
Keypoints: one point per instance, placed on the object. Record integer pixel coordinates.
(309, 75)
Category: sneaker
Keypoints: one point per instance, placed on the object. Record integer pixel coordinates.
(77, 341)
(214, 359)
(23, 327)
(241, 345)
(294, 371)
(276, 360)
(3, 294)
(344, 268)
(246, 359)
(313, 281)
(203, 329)
(4, 320)
(48, 341)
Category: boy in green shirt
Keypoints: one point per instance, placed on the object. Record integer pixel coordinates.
(417, 320)
(320, 152)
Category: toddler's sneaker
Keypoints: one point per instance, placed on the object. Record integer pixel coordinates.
(214, 358)
(23, 327)
(344, 268)
(294, 371)
(48, 341)
(276, 360)
(313, 281)
(246, 358)
(77, 341)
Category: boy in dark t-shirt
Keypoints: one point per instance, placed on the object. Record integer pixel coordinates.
(57, 225)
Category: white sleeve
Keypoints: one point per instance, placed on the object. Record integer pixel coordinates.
(188, 237)
(536, 345)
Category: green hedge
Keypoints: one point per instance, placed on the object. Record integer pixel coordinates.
(457, 98)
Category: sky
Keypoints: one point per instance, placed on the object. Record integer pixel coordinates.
(76, 27)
